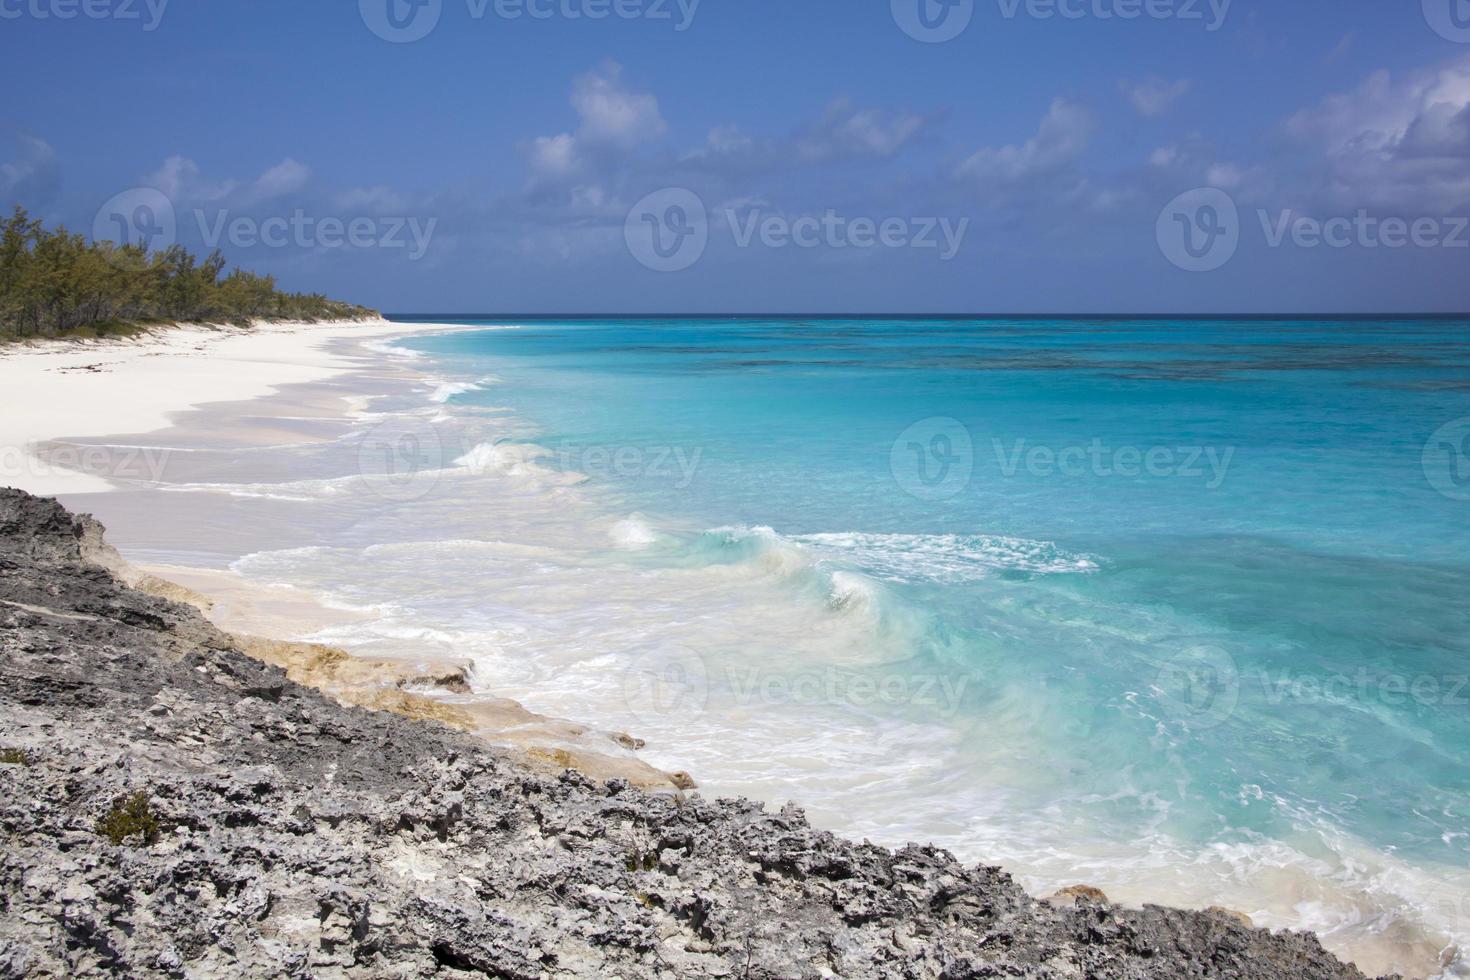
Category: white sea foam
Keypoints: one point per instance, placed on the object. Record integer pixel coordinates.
(763, 550)
(949, 558)
(360, 635)
(633, 533)
(446, 390)
(391, 348)
(1386, 910)
(491, 457)
(519, 460)
(459, 548)
(294, 491)
(851, 591)
(248, 561)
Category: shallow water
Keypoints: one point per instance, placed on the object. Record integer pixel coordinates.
(1176, 609)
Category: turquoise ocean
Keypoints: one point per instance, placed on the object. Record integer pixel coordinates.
(1179, 609)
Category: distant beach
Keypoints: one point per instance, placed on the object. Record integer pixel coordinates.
(91, 388)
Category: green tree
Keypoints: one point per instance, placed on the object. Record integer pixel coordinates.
(54, 283)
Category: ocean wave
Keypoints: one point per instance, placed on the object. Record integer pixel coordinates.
(505, 459)
(515, 459)
(762, 553)
(444, 391)
(947, 558)
(360, 636)
(851, 591)
(633, 533)
(496, 457)
(269, 564)
(759, 547)
(1328, 881)
(391, 348)
(944, 558)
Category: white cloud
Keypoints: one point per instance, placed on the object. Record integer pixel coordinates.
(1379, 114)
(554, 155)
(1154, 96)
(612, 119)
(728, 139)
(34, 173)
(611, 113)
(1164, 156)
(730, 147)
(1394, 141)
(184, 183)
(286, 177)
(1062, 137)
(1443, 129)
(180, 180)
(1224, 176)
(845, 130)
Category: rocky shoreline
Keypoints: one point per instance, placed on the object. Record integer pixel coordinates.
(174, 807)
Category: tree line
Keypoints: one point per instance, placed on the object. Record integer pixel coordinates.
(55, 283)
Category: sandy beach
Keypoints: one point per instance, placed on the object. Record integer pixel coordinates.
(91, 388)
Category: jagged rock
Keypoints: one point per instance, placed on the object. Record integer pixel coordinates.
(1232, 915)
(303, 837)
(456, 681)
(1073, 894)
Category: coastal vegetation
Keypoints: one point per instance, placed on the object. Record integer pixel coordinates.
(54, 283)
(130, 817)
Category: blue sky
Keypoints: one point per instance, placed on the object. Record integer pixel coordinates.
(824, 160)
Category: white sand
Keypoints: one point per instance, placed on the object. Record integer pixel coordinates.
(60, 390)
